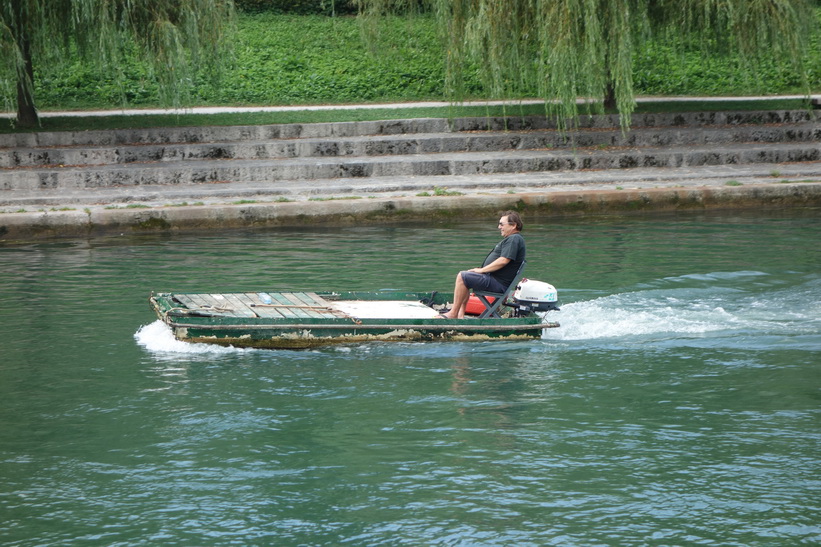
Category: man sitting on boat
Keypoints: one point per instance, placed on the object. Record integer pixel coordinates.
(499, 268)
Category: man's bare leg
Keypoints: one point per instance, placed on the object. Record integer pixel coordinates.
(461, 294)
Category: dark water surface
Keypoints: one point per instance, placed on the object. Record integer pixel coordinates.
(678, 404)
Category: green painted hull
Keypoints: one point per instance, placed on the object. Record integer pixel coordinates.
(307, 320)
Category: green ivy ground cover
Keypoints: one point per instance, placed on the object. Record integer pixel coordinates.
(288, 59)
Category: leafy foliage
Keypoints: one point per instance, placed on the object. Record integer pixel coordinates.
(281, 60)
(173, 36)
(571, 49)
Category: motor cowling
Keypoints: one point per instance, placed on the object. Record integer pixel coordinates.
(532, 295)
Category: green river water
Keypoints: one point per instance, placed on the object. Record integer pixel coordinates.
(678, 404)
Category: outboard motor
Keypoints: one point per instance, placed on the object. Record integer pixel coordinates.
(535, 296)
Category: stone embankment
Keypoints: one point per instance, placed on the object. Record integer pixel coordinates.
(122, 181)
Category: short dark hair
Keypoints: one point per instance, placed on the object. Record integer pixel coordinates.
(514, 218)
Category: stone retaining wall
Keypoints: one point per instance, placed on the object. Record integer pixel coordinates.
(50, 224)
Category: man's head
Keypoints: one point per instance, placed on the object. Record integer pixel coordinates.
(510, 223)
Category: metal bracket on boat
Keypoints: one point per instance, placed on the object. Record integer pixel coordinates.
(429, 300)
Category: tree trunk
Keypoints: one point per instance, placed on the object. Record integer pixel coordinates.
(610, 97)
(26, 112)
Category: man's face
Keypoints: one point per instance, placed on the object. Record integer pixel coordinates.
(505, 227)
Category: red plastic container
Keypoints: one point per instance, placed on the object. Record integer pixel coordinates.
(475, 306)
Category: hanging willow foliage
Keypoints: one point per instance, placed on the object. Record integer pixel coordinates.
(175, 36)
(582, 50)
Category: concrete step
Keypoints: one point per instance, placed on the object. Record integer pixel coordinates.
(187, 194)
(285, 171)
(405, 144)
(176, 135)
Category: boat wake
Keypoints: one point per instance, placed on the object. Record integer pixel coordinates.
(696, 306)
(157, 337)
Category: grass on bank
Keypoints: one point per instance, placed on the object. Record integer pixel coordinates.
(302, 60)
(292, 60)
(346, 114)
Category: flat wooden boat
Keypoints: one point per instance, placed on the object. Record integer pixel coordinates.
(312, 319)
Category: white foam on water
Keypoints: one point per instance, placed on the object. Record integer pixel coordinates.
(616, 316)
(728, 303)
(157, 337)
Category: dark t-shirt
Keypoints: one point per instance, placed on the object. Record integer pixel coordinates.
(512, 247)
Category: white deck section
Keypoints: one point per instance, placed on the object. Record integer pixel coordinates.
(385, 309)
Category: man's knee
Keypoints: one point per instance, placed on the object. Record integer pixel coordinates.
(467, 279)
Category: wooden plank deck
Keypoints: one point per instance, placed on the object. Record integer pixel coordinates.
(232, 308)
(249, 301)
(294, 305)
(217, 304)
(297, 306)
(240, 305)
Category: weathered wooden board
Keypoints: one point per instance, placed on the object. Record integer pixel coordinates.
(241, 308)
(254, 303)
